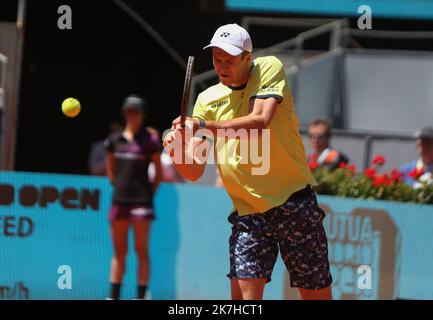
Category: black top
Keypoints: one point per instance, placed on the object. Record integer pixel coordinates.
(132, 184)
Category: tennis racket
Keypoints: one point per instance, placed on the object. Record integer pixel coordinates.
(186, 90)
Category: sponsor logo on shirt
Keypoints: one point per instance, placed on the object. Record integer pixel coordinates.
(268, 89)
(220, 103)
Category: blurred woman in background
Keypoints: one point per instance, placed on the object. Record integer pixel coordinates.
(129, 153)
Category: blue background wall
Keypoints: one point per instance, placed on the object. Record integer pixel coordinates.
(189, 244)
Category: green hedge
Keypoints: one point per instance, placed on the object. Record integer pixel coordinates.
(346, 181)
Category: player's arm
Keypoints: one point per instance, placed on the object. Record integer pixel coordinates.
(191, 161)
(261, 113)
(156, 159)
(110, 165)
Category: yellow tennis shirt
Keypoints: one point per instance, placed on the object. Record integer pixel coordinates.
(255, 186)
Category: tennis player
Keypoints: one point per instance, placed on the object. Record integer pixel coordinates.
(129, 153)
(273, 212)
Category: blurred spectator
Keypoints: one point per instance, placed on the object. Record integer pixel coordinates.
(129, 153)
(98, 154)
(319, 132)
(422, 167)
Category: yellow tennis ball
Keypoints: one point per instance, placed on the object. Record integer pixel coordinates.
(71, 107)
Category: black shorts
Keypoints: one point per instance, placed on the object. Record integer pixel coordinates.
(295, 230)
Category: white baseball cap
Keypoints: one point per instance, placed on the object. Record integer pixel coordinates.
(232, 38)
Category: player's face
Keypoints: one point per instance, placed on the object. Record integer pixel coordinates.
(133, 117)
(231, 70)
(318, 137)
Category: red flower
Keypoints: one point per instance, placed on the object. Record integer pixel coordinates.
(352, 168)
(379, 160)
(381, 180)
(313, 165)
(370, 173)
(342, 165)
(415, 173)
(396, 176)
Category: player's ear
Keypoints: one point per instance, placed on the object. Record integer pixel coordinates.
(247, 56)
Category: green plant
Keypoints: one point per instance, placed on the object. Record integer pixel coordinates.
(346, 181)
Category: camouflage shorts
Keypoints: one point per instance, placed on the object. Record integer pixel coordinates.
(295, 230)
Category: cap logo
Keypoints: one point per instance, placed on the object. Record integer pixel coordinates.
(224, 34)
